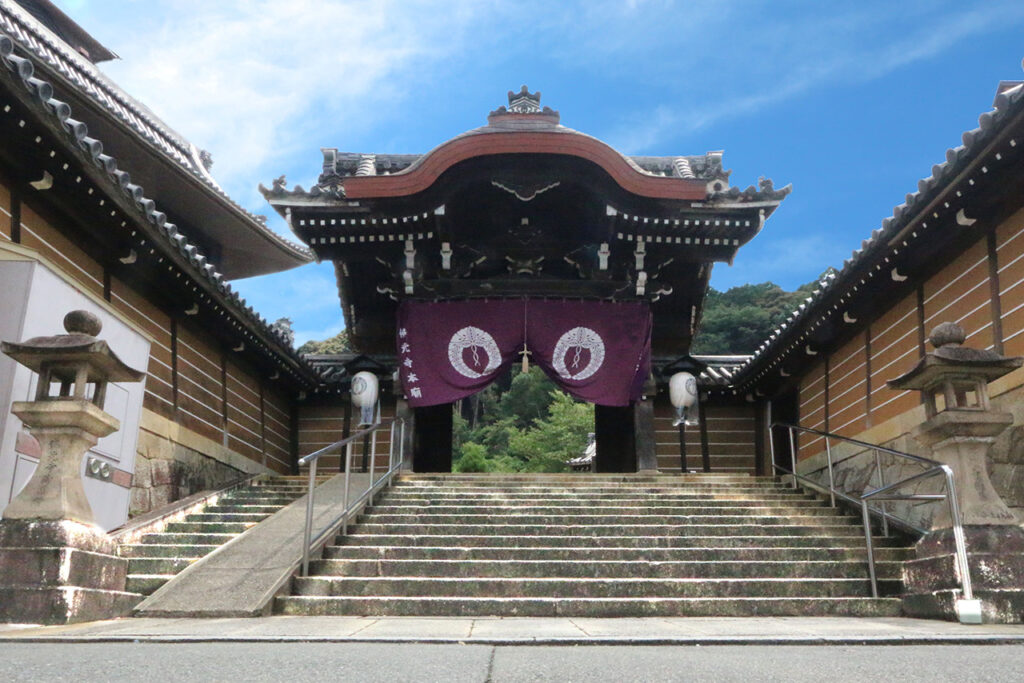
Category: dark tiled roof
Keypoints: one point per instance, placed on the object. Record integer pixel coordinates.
(41, 94)
(346, 164)
(37, 40)
(791, 334)
(523, 115)
(720, 370)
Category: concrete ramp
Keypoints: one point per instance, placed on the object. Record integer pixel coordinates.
(241, 578)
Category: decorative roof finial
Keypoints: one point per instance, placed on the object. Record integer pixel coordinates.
(519, 103)
(524, 102)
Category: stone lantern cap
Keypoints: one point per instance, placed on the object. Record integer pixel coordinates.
(63, 355)
(951, 361)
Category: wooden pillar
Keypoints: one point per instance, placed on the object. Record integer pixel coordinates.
(432, 445)
(15, 216)
(644, 442)
(762, 416)
(408, 433)
(616, 444)
(705, 448)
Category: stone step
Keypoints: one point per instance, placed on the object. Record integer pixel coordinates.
(188, 539)
(511, 587)
(618, 520)
(576, 490)
(580, 476)
(590, 501)
(208, 527)
(245, 517)
(156, 549)
(589, 498)
(555, 553)
(160, 565)
(243, 509)
(697, 509)
(561, 541)
(256, 499)
(607, 569)
(147, 584)
(581, 607)
(586, 531)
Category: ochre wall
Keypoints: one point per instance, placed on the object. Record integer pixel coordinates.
(895, 349)
(812, 394)
(1010, 257)
(859, 402)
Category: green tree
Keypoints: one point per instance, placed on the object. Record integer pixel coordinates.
(472, 458)
(527, 399)
(558, 437)
(339, 343)
(741, 318)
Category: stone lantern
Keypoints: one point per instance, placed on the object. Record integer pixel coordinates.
(959, 429)
(69, 422)
(56, 565)
(961, 425)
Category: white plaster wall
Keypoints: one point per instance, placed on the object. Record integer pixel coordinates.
(45, 298)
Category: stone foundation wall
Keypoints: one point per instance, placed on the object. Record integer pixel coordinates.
(172, 463)
(1006, 457)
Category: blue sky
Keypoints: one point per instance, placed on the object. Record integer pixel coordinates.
(851, 102)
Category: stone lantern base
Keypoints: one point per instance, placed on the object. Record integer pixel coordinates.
(60, 572)
(995, 555)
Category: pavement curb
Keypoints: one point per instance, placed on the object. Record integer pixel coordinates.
(698, 641)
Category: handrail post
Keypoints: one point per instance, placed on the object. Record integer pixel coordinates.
(373, 463)
(309, 518)
(348, 478)
(792, 453)
(870, 547)
(831, 476)
(958, 535)
(881, 484)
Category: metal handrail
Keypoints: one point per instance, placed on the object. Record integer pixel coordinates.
(883, 492)
(394, 464)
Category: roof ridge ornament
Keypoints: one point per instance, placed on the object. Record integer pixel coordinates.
(524, 102)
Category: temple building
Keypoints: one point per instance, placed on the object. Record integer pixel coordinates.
(521, 241)
(105, 207)
(527, 210)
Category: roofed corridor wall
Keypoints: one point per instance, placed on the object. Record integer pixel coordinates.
(846, 393)
(322, 424)
(207, 419)
(731, 435)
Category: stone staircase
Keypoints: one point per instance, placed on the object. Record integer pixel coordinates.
(598, 546)
(161, 555)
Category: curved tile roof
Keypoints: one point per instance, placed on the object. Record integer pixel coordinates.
(352, 175)
(29, 33)
(77, 132)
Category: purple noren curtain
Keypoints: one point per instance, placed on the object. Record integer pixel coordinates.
(598, 351)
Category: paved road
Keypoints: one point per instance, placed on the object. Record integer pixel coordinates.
(393, 663)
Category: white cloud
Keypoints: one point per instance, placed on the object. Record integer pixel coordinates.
(256, 82)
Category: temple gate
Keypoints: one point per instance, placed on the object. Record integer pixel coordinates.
(568, 248)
